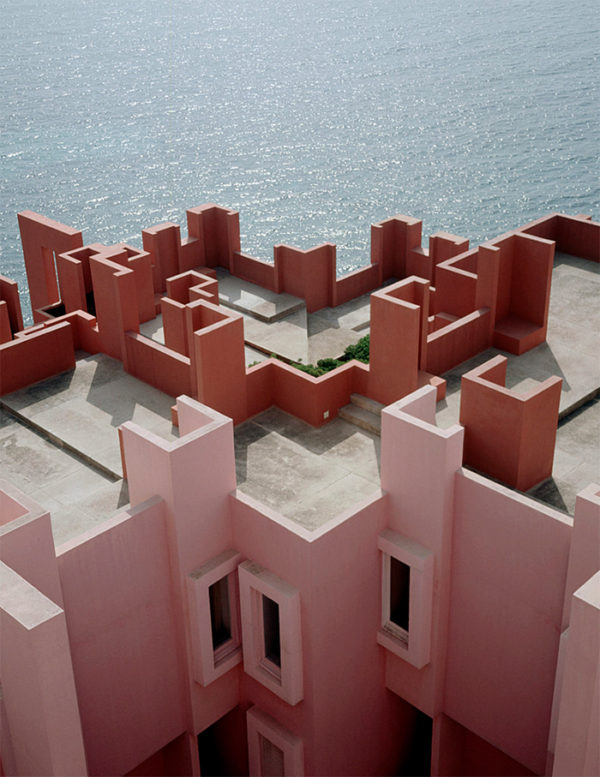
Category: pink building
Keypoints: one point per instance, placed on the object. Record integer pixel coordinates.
(443, 623)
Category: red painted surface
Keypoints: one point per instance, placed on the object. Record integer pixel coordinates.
(509, 436)
(42, 239)
(28, 359)
(9, 293)
(116, 304)
(158, 365)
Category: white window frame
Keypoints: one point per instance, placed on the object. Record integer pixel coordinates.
(286, 681)
(259, 725)
(412, 645)
(207, 663)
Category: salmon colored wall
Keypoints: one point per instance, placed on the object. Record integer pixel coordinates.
(355, 284)
(157, 365)
(504, 594)
(174, 321)
(578, 735)
(531, 279)
(37, 356)
(71, 283)
(42, 238)
(348, 727)
(26, 544)
(310, 398)
(219, 362)
(5, 328)
(455, 288)
(162, 243)
(576, 235)
(116, 304)
(37, 683)
(255, 270)
(418, 466)
(398, 329)
(118, 600)
(509, 436)
(140, 262)
(259, 386)
(458, 341)
(9, 293)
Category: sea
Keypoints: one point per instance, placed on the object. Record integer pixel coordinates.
(312, 118)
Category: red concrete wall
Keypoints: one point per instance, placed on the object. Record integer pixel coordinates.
(42, 238)
(508, 436)
(175, 325)
(310, 398)
(399, 316)
(140, 262)
(456, 286)
(458, 341)
(355, 284)
(116, 304)
(218, 360)
(531, 279)
(255, 271)
(36, 356)
(259, 386)
(5, 329)
(162, 243)
(575, 235)
(9, 293)
(157, 365)
(71, 283)
(309, 274)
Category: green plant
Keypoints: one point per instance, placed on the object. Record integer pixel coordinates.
(359, 351)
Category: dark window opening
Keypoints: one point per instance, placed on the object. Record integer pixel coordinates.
(271, 758)
(220, 613)
(399, 592)
(271, 630)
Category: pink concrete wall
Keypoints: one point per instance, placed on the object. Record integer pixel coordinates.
(505, 616)
(42, 238)
(418, 466)
(71, 283)
(578, 735)
(355, 284)
(36, 356)
(349, 722)
(118, 600)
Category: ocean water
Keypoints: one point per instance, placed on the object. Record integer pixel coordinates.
(314, 119)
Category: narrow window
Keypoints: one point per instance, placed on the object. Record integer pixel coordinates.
(220, 613)
(271, 758)
(399, 592)
(270, 611)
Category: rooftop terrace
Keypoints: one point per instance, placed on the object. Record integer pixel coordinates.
(59, 440)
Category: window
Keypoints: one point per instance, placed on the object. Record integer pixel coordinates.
(406, 598)
(271, 637)
(214, 617)
(273, 751)
(272, 644)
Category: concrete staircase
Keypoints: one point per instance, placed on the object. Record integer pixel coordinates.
(363, 412)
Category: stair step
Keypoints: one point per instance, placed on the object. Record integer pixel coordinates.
(362, 418)
(367, 404)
